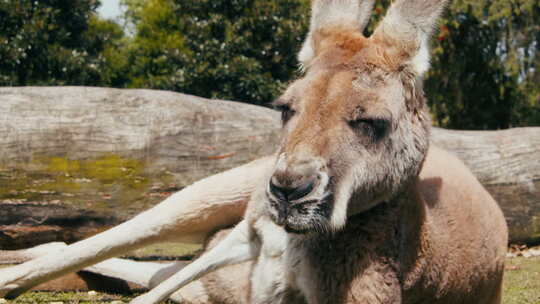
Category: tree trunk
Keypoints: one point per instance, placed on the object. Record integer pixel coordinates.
(116, 152)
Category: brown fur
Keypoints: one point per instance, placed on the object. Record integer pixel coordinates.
(431, 247)
(389, 220)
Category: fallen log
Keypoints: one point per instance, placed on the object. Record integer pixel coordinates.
(117, 152)
(114, 152)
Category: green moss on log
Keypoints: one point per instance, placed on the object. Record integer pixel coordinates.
(102, 183)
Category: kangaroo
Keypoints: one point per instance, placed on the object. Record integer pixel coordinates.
(358, 208)
(355, 207)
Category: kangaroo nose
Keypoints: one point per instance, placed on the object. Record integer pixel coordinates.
(291, 193)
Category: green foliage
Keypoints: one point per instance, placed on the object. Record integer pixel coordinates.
(485, 67)
(241, 50)
(157, 45)
(55, 42)
(109, 49)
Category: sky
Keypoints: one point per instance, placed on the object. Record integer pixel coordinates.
(109, 9)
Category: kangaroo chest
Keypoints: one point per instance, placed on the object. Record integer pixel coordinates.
(341, 268)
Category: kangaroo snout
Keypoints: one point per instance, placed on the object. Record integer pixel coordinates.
(294, 191)
(295, 177)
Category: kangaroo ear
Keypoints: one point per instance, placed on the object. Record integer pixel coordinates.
(325, 14)
(408, 25)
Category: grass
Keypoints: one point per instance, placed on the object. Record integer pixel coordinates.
(521, 286)
(70, 298)
(522, 281)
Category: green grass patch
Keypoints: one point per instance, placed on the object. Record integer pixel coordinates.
(40, 297)
(70, 298)
(522, 281)
(521, 284)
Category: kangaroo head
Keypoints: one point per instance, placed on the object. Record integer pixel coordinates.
(355, 127)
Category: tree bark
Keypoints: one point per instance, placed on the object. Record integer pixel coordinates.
(116, 152)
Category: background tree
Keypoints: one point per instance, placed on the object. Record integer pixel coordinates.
(57, 42)
(242, 50)
(486, 65)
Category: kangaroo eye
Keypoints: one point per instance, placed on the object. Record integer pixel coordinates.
(373, 128)
(286, 113)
